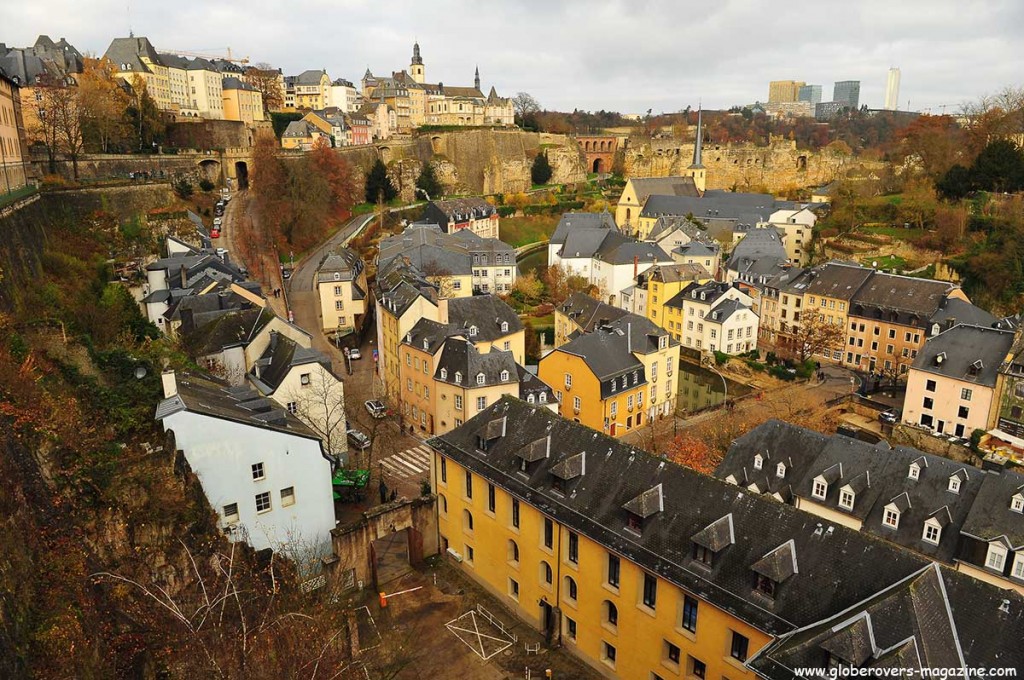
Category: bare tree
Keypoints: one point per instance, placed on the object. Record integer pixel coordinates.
(524, 104)
(267, 81)
(44, 126)
(321, 406)
(814, 336)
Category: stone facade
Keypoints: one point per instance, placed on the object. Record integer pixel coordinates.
(774, 168)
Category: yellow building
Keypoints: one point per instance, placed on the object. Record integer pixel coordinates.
(664, 282)
(616, 378)
(310, 90)
(341, 288)
(136, 57)
(643, 568)
(784, 90)
(12, 136)
(637, 189)
(241, 101)
(828, 294)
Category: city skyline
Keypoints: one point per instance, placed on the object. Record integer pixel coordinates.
(561, 56)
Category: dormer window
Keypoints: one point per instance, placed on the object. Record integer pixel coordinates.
(780, 470)
(758, 461)
(764, 585)
(642, 507)
(504, 326)
(932, 532)
(634, 523)
(820, 489)
(444, 374)
(480, 379)
(846, 498)
(504, 376)
(976, 367)
(337, 276)
(891, 518)
(954, 484)
(1017, 503)
(426, 344)
(458, 377)
(996, 557)
(529, 399)
(472, 331)
(914, 472)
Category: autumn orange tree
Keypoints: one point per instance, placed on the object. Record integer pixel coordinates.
(694, 452)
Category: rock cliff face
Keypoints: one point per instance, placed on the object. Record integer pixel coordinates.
(775, 168)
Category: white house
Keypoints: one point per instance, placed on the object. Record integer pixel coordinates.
(715, 316)
(798, 226)
(262, 470)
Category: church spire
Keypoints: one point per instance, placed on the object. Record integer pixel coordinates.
(476, 80)
(698, 142)
(416, 58)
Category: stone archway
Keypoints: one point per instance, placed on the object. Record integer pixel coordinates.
(598, 165)
(242, 174)
(210, 169)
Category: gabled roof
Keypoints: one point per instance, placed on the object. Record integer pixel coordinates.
(487, 313)
(605, 351)
(966, 353)
(663, 186)
(759, 252)
(953, 311)
(837, 280)
(920, 297)
(213, 397)
(459, 355)
(128, 51)
(587, 312)
(569, 222)
(991, 517)
(280, 357)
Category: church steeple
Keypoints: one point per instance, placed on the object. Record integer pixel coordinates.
(476, 80)
(416, 68)
(698, 142)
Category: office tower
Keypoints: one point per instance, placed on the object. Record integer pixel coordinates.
(784, 90)
(810, 93)
(892, 89)
(847, 92)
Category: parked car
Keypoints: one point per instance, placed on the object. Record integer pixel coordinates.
(217, 221)
(358, 440)
(215, 233)
(286, 274)
(376, 408)
(354, 353)
(891, 416)
(225, 194)
(218, 211)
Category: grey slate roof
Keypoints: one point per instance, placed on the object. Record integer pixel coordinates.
(128, 50)
(214, 397)
(970, 353)
(759, 253)
(663, 186)
(907, 296)
(458, 210)
(280, 356)
(698, 249)
(952, 311)
(990, 516)
(714, 204)
(487, 313)
(342, 261)
(877, 474)
(570, 222)
(616, 248)
(606, 353)
(531, 385)
(836, 280)
(228, 329)
(459, 355)
(616, 474)
(587, 312)
(430, 249)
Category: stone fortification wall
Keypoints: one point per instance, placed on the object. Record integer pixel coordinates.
(775, 168)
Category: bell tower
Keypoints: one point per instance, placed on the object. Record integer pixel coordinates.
(416, 69)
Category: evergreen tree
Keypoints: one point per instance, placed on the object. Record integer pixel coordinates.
(427, 183)
(378, 184)
(540, 173)
(999, 167)
(955, 184)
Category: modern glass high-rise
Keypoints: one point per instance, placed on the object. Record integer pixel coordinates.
(847, 92)
(810, 93)
(892, 89)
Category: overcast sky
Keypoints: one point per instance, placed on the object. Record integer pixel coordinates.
(625, 55)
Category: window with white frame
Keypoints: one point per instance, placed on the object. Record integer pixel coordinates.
(891, 518)
(820, 489)
(780, 470)
(479, 378)
(996, 557)
(481, 403)
(568, 380)
(444, 374)
(1017, 503)
(576, 403)
(954, 484)
(504, 376)
(458, 402)
(914, 471)
(932, 531)
(758, 461)
(258, 472)
(846, 499)
(542, 397)
(1018, 566)
(263, 502)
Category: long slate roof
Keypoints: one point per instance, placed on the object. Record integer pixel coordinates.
(278, 359)
(969, 353)
(663, 186)
(833, 562)
(876, 473)
(714, 204)
(570, 222)
(604, 350)
(912, 296)
(759, 252)
(836, 280)
(587, 313)
(459, 355)
(952, 311)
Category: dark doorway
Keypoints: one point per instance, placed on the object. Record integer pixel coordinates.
(547, 621)
(391, 556)
(598, 165)
(242, 174)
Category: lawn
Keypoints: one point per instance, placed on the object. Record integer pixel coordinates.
(520, 231)
(888, 262)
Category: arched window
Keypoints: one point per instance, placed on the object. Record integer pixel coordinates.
(570, 588)
(546, 575)
(504, 376)
(609, 613)
(504, 326)
(442, 504)
(467, 520)
(479, 378)
(513, 551)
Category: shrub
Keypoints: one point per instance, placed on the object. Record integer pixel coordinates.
(506, 210)
(721, 357)
(206, 185)
(781, 372)
(183, 187)
(541, 171)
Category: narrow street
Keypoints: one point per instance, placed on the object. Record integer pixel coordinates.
(391, 449)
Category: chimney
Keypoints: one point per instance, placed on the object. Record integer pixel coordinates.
(170, 383)
(184, 276)
(629, 336)
(636, 265)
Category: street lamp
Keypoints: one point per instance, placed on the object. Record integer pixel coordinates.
(425, 194)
